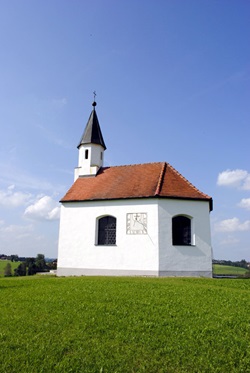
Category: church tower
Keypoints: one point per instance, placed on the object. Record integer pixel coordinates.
(91, 148)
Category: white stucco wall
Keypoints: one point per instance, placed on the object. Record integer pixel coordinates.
(132, 254)
(149, 254)
(194, 260)
(91, 165)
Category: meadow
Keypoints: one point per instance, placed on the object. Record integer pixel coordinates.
(3, 264)
(219, 269)
(103, 324)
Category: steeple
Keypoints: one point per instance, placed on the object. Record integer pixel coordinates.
(91, 147)
(92, 133)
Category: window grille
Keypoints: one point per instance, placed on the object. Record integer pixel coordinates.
(107, 230)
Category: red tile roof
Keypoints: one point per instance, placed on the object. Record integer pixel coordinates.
(134, 181)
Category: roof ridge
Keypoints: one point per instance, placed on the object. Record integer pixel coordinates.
(133, 164)
(192, 185)
(161, 177)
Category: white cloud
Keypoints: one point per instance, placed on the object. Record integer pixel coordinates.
(20, 178)
(245, 203)
(17, 231)
(246, 184)
(234, 178)
(232, 225)
(10, 198)
(229, 241)
(24, 240)
(45, 208)
(54, 214)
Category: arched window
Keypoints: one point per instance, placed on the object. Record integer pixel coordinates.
(86, 154)
(107, 231)
(181, 230)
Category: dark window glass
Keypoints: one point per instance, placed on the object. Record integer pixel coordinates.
(107, 231)
(86, 154)
(181, 230)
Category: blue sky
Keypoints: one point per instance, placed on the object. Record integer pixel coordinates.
(172, 79)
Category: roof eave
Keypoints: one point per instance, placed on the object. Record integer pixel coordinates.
(209, 200)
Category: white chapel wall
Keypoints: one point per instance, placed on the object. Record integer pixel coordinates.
(194, 260)
(133, 253)
(142, 254)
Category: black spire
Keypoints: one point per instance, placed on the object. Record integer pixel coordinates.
(92, 133)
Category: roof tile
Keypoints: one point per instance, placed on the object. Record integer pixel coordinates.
(134, 181)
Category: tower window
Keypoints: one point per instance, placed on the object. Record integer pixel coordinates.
(101, 156)
(181, 230)
(107, 231)
(86, 154)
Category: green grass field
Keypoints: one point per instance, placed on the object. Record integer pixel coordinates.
(102, 324)
(3, 265)
(219, 269)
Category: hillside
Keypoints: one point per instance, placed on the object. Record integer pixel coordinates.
(3, 265)
(219, 269)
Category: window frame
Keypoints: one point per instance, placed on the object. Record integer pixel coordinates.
(180, 241)
(99, 242)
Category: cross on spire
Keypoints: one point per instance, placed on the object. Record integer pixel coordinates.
(94, 103)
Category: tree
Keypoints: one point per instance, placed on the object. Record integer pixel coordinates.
(20, 270)
(243, 263)
(40, 263)
(8, 270)
(31, 266)
(52, 264)
(14, 258)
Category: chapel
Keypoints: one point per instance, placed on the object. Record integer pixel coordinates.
(131, 220)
